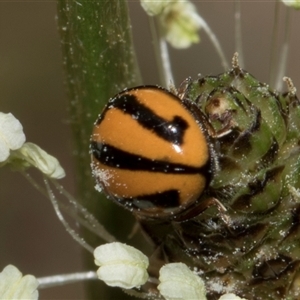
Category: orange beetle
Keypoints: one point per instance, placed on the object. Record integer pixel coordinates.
(150, 152)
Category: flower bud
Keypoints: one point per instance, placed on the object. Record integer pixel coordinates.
(181, 24)
(230, 297)
(14, 286)
(121, 265)
(12, 136)
(178, 282)
(46, 163)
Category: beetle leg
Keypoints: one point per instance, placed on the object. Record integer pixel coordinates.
(201, 207)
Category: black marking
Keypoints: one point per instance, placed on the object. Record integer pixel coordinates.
(228, 164)
(292, 232)
(116, 158)
(270, 156)
(256, 187)
(243, 145)
(273, 268)
(171, 131)
(166, 199)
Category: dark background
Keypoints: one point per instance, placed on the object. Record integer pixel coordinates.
(31, 87)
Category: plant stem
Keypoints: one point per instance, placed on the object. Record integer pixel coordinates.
(63, 279)
(99, 61)
(282, 64)
(274, 41)
(213, 38)
(238, 32)
(161, 54)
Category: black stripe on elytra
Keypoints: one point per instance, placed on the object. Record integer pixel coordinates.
(166, 199)
(117, 158)
(171, 131)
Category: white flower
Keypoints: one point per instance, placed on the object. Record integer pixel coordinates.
(14, 286)
(12, 136)
(230, 297)
(292, 3)
(37, 157)
(181, 24)
(14, 150)
(178, 282)
(121, 265)
(154, 7)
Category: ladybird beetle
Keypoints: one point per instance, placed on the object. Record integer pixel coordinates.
(150, 152)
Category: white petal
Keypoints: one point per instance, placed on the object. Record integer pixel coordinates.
(14, 286)
(178, 282)
(11, 131)
(8, 277)
(292, 3)
(230, 297)
(40, 159)
(123, 275)
(181, 24)
(121, 265)
(11, 135)
(154, 7)
(4, 150)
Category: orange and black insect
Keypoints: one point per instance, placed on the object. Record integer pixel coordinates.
(150, 152)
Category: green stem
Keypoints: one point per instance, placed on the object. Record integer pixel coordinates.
(99, 62)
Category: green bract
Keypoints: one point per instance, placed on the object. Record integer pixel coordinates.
(253, 248)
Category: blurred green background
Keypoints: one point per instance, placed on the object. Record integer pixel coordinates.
(31, 87)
